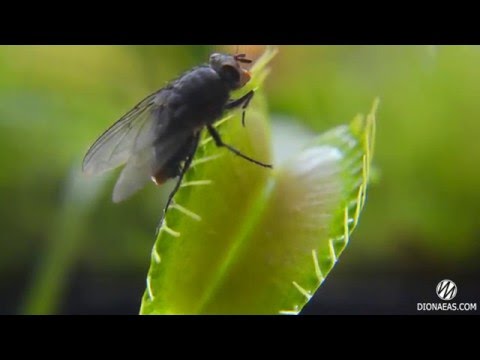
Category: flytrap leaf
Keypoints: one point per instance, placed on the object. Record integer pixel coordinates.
(242, 239)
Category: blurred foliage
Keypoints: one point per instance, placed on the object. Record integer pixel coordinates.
(426, 199)
(55, 100)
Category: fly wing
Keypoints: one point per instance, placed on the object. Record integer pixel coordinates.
(134, 132)
(134, 175)
(143, 164)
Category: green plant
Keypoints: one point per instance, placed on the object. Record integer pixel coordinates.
(240, 239)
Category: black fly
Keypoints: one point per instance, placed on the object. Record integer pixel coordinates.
(158, 138)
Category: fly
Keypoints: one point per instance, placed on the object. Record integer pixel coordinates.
(158, 138)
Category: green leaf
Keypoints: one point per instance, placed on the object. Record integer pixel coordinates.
(242, 239)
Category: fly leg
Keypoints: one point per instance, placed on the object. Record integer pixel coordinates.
(185, 168)
(220, 143)
(243, 102)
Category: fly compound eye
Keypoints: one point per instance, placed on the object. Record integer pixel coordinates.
(230, 74)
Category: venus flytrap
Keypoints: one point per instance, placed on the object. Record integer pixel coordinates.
(241, 239)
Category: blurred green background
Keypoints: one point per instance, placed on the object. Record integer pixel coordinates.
(66, 248)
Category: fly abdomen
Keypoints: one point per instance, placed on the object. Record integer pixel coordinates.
(173, 167)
